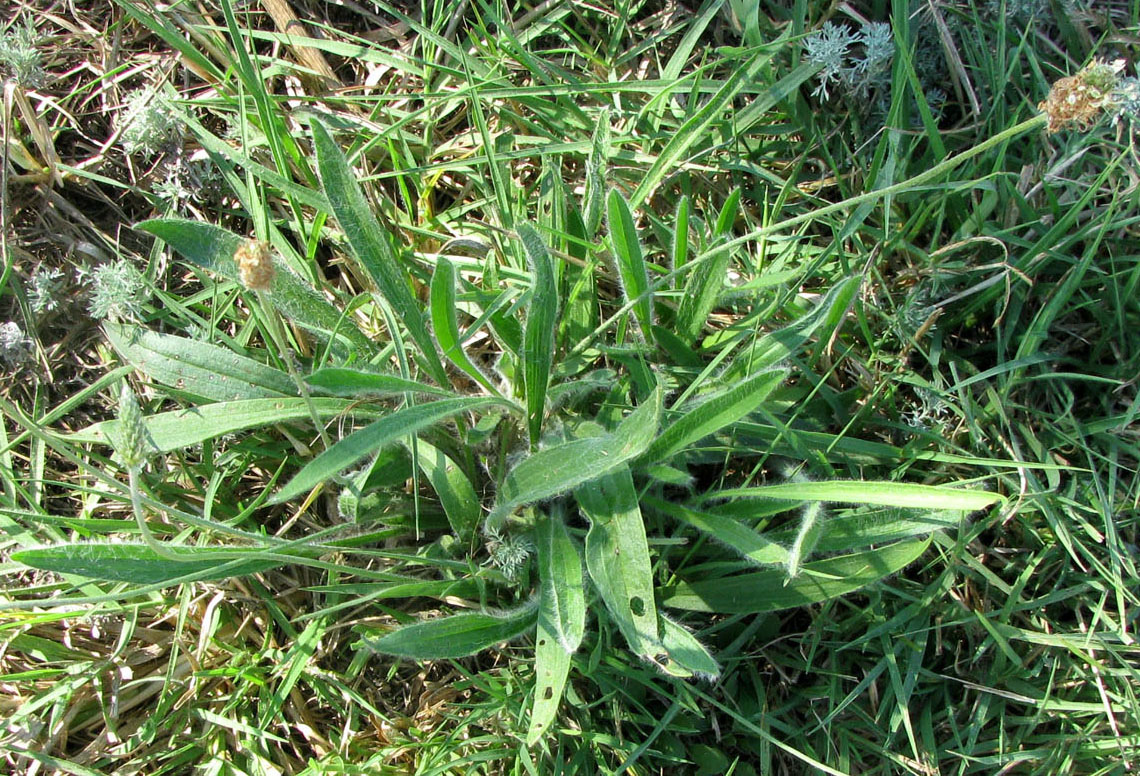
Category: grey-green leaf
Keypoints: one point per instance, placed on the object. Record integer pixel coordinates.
(197, 367)
(778, 345)
(459, 635)
(370, 245)
(560, 575)
(443, 320)
(770, 590)
(713, 414)
(538, 337)
(687, 655)
(729, 532)
(213, 248)
(453, 488)
(617, 557)
(345, 381)
(908, 495)
(563, 467)
(561, 618)
(140, 565)
(387, 430)
(177, 429)
(629, 259)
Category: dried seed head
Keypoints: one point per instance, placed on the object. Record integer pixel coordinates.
(255, 265)
(1077, 101)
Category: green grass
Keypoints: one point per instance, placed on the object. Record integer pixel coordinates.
(603, 362)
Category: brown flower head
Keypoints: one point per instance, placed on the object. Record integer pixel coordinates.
(1078, 100)
(255, 265)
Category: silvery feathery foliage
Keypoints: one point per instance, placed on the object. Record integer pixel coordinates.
(878, 48)
(148, 122)
(828, 47)
(20, 57)
(856, 72)
(118, 291)
(14, 344)
(510, 553)
(1126, 97)
(44, 289)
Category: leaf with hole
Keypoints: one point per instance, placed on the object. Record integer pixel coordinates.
(617, 557)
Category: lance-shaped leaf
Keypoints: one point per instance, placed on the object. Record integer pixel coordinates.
(443, 320)
(459, 635)
(706, 281)
(369, 439)
(783, 343)
(887, 494)
(538, 337)
(727, 531)
(561, 618)
(770, 590)
(176, 429)
(687, 655)
(629, 259)
(713, 414)
(563, 467)
(344, 381)
(140, 565)
(617, 557)
(453, 488)
(560, 574)
(370, 245)
(197, 367)
(213, 248)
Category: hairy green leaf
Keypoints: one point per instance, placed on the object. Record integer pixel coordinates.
(563, 467)
(369, 439)
(538, 337)
(770, 590)
(459, 635)
(370, 245)
(140, 565)
(617, 557)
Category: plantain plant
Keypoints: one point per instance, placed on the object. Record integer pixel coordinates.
(568, 464)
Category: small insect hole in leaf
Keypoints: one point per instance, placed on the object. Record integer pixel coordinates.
(637, 606)
(548, 694)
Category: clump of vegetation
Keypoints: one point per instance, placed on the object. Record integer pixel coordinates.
(600, 389)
